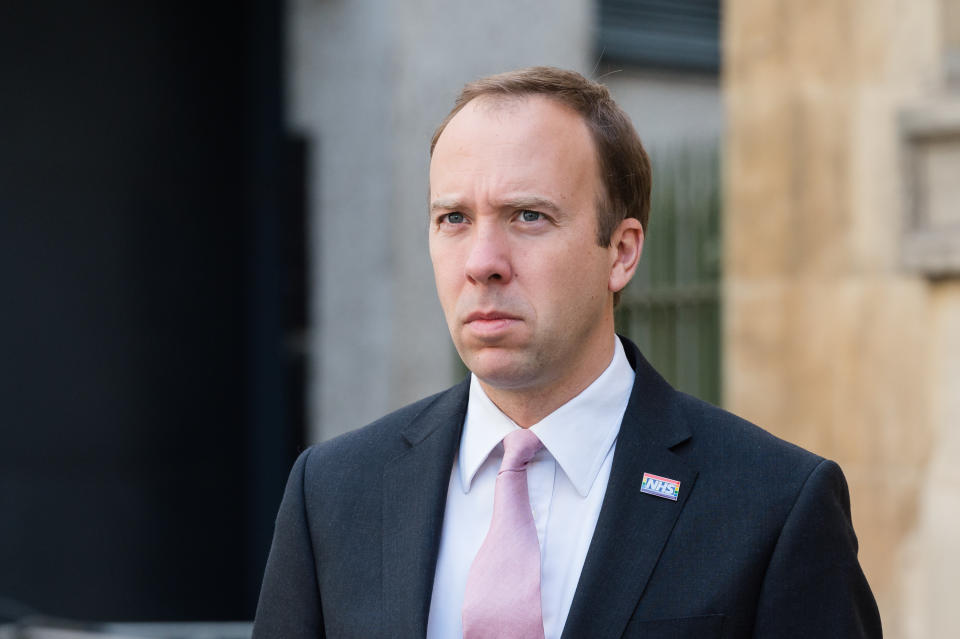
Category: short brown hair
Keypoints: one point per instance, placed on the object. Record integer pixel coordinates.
(624, 166)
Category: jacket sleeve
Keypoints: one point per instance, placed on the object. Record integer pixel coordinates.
(814, 586)
(289, 606)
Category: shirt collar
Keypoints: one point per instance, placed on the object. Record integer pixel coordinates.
(579, 434)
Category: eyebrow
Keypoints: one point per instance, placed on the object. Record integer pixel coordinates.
(517, 202)
(446, 204)
(529, 202)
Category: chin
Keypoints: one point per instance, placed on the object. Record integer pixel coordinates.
(501, 370)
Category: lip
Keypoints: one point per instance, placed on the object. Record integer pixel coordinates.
(488, 316)
(490, 324)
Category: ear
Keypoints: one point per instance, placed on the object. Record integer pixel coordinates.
(626, 245)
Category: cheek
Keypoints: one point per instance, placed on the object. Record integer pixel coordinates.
(445, 276)
(575, 284)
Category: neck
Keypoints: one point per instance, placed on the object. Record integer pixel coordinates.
(530, 405)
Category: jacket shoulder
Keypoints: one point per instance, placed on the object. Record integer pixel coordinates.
(378, 441)
(737, 439)
(750, 472)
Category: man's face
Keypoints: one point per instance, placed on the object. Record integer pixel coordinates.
(522, 281)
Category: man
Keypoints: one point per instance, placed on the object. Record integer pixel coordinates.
(564, 489)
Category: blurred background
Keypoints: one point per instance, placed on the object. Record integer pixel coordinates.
(213, 253)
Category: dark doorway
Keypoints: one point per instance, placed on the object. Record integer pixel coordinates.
(151, 265)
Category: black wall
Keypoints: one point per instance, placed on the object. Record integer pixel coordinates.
(151, 267)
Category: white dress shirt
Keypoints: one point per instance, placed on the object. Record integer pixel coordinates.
(566, 480)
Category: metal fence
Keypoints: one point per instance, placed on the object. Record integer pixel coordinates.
(671, 309)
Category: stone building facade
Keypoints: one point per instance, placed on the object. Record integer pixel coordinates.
(841, 290)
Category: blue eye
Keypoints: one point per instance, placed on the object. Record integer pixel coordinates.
(455, 218)
(530, 216)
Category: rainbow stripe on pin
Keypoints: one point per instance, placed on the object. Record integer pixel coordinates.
(660, 486)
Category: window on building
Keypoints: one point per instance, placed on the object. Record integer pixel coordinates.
(665, 34)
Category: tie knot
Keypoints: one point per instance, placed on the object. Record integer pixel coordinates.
(519, 447)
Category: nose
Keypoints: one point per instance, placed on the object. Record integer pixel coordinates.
(489, 257)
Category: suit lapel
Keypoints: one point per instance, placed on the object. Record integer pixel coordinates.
(633, 527)
(414, 497)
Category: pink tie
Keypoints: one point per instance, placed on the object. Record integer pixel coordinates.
(502, 598)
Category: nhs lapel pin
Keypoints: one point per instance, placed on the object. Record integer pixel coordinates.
(660, 486)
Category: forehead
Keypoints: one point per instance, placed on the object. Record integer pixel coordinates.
(526, 142)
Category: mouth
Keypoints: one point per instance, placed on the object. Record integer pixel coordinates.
(490, 323)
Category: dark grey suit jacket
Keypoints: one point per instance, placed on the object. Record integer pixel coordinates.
(758, 544)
